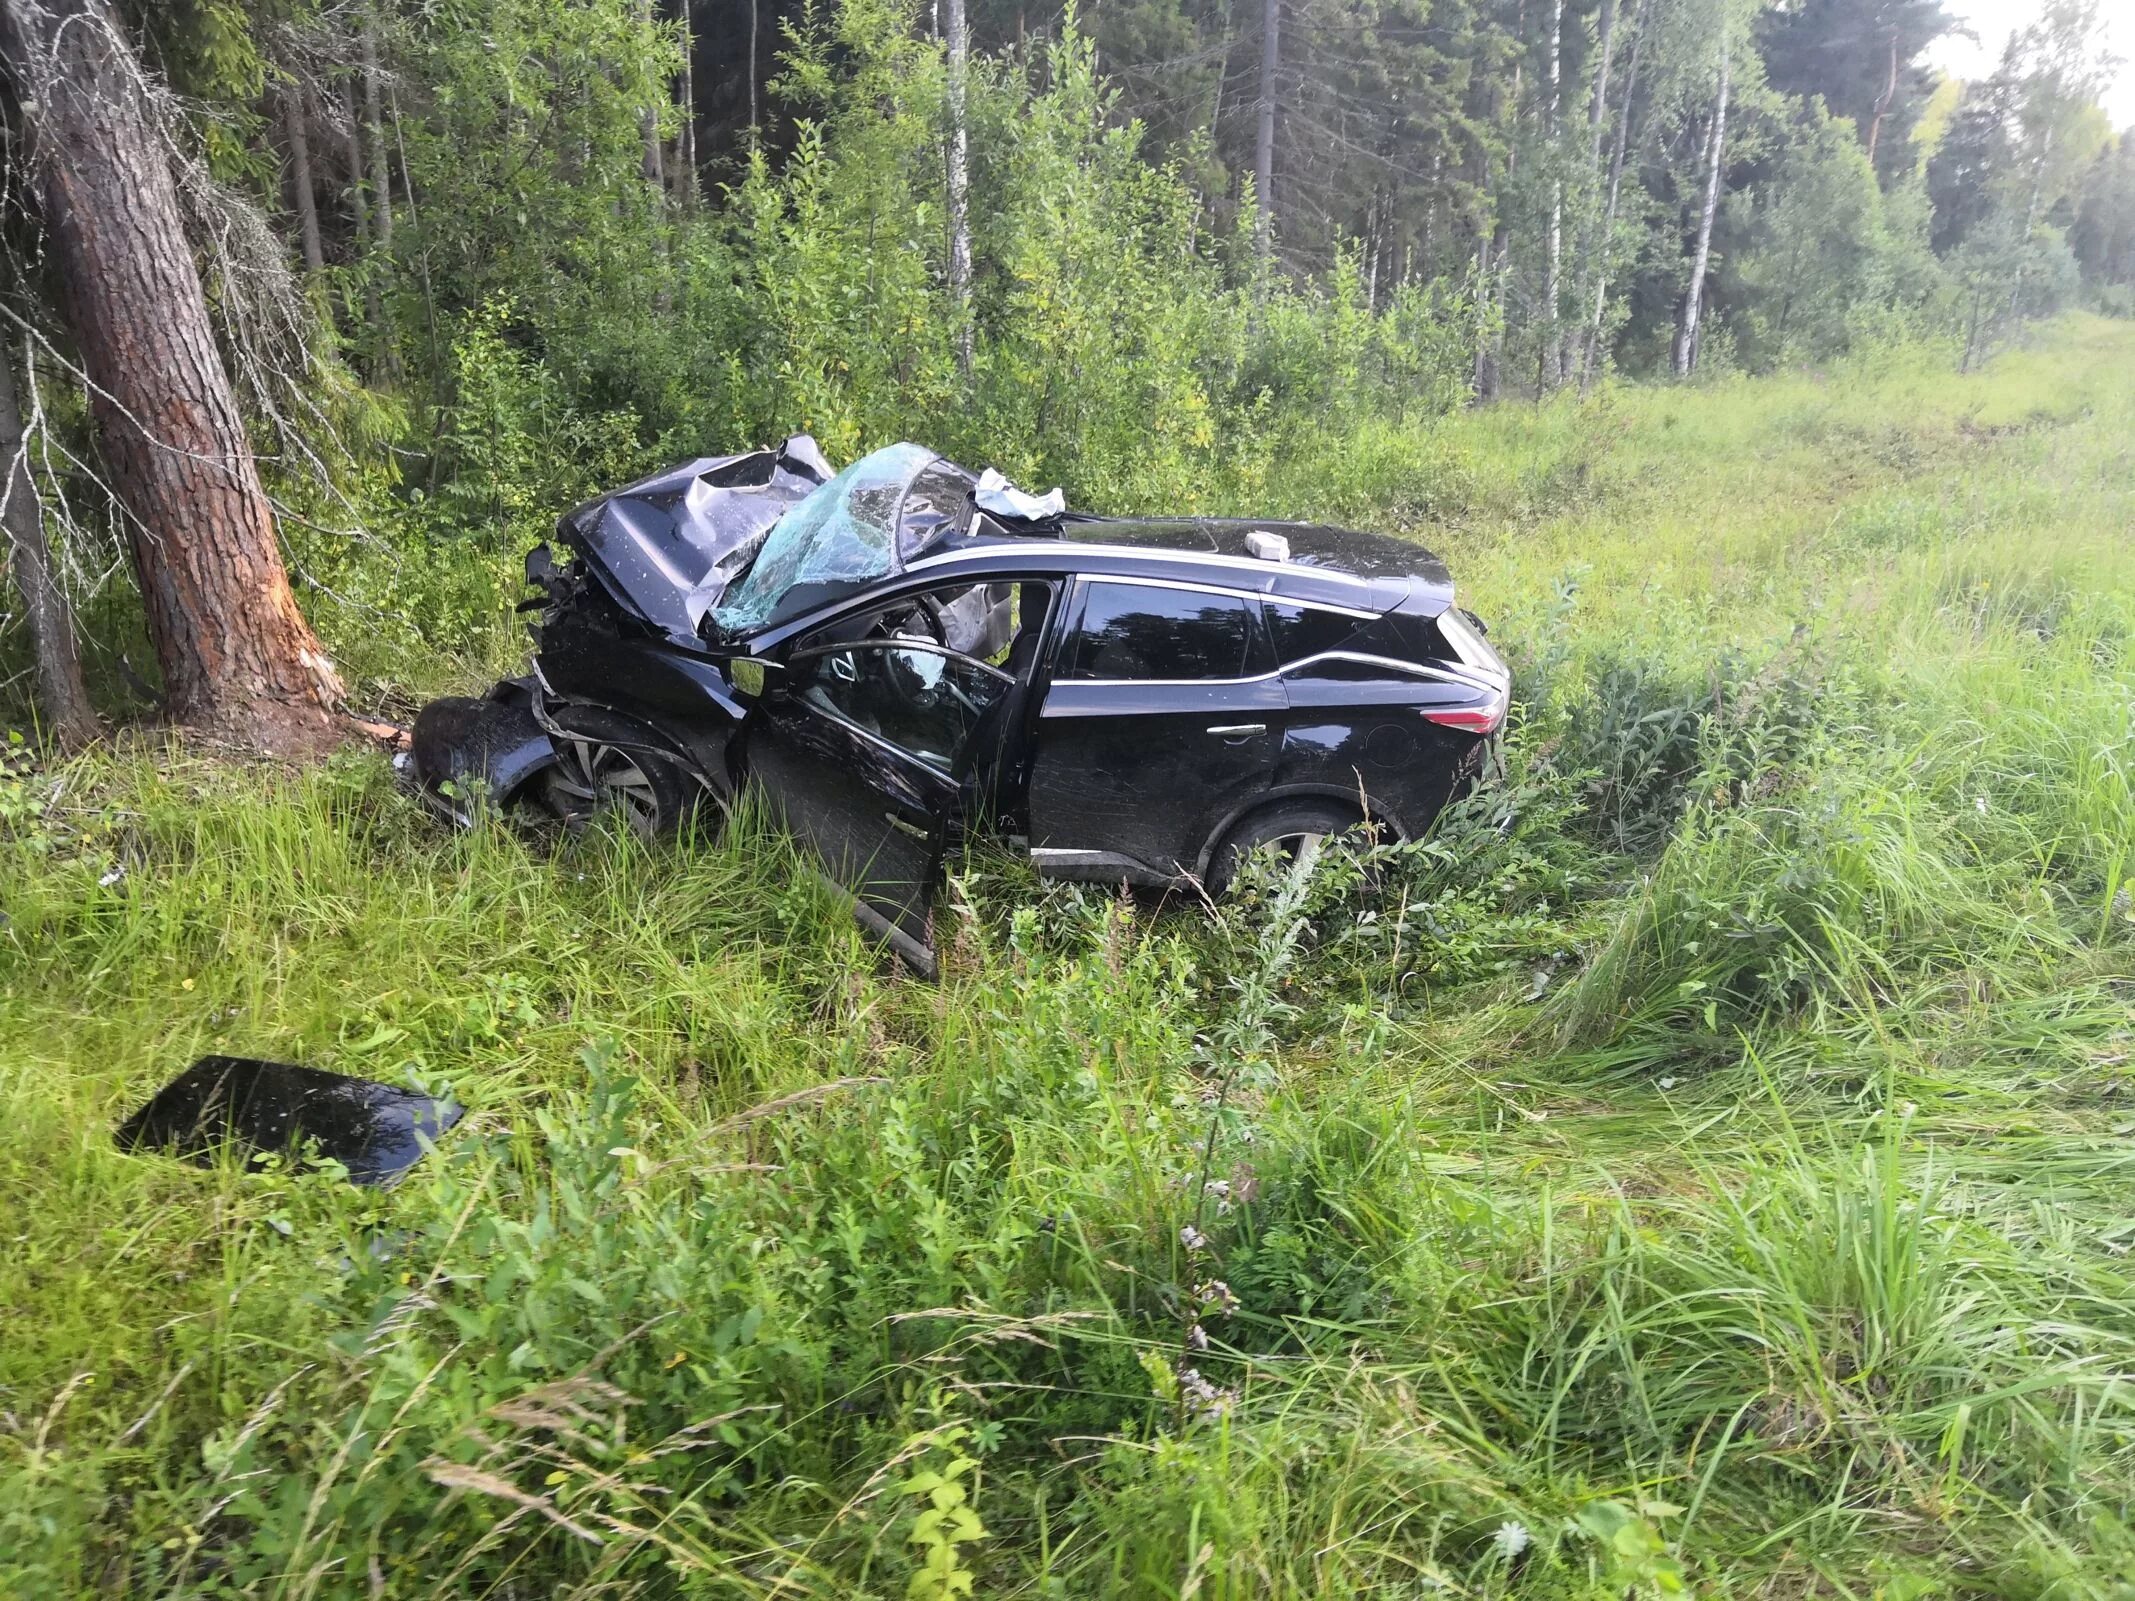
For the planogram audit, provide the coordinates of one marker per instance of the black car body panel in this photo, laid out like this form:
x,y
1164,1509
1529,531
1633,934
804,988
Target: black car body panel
x,y
1123,695
666,546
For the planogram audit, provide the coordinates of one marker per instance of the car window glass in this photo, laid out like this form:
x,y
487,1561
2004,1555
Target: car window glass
x,y
1143,631
842,533
938,502
1302,631
980,620
919,698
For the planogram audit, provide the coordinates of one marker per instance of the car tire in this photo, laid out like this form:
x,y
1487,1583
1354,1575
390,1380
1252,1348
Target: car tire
x,y
604,768
1296,828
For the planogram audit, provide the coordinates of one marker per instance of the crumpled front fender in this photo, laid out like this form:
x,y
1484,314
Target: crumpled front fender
x,y
490,747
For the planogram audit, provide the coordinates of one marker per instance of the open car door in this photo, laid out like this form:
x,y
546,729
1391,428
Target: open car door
x,y
860,747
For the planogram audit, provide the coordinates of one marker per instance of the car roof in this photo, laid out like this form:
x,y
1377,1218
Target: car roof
x,y
1327,566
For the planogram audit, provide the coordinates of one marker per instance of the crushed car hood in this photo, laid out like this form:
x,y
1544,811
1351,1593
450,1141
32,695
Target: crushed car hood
x,y
666,547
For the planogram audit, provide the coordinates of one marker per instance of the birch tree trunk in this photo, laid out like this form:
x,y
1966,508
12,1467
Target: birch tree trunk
x,y
295,109
1264,141
958,43
651,164
685,176
62,695
1605,241
238,659
1550,367
1597,110
1686,331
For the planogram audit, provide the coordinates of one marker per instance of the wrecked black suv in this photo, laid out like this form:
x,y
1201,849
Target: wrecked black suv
x,y
905,654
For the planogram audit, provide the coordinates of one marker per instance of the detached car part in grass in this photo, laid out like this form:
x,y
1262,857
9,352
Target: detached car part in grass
x,y
376,1132
905,655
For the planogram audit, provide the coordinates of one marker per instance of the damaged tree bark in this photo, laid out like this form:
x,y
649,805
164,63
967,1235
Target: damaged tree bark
x,y
62,695
238,659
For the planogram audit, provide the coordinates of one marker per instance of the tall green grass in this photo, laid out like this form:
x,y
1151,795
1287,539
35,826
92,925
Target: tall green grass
x,y
1704,1162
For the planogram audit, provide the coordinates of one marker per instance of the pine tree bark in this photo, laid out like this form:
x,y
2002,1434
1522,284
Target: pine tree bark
x,y
381,196
1686,330
358,207
62,693
295,114
238,659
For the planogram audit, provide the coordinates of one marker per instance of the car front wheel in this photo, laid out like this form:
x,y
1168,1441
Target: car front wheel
x,y
604,768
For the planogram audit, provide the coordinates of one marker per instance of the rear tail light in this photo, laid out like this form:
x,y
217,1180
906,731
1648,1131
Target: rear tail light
x,y
1483,668
1486,718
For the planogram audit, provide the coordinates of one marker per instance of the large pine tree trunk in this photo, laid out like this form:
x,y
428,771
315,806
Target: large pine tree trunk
x,y
1686,329
238,659
62,695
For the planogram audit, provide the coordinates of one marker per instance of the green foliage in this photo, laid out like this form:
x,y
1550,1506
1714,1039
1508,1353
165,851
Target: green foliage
x,y
1666,1152
1824,263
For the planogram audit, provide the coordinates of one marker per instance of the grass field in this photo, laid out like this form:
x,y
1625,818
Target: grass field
x,y
1706,1164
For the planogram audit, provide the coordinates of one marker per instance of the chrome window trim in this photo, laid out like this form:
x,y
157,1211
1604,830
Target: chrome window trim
x,y
1436,674
1087,550
1089,581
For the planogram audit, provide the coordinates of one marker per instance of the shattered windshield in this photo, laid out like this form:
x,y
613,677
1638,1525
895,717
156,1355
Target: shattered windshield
x,y
854,529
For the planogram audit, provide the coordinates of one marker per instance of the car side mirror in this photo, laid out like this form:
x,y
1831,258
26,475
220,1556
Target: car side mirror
x,y
540,567
754,675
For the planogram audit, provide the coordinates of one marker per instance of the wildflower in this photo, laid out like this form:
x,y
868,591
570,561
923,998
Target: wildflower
x,y
1207,1400
1197,1337
1192,1238
1511,1539
1979,804
1215,1296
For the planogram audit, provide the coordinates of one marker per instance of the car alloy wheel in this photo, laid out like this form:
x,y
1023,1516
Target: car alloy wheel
x,y
593,779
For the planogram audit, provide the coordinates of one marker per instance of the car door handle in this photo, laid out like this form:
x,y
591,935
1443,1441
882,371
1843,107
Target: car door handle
x,y
904,827
1237,730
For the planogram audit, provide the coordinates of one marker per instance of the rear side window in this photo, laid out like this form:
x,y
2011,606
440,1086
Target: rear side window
x,y
1144,631
1304,631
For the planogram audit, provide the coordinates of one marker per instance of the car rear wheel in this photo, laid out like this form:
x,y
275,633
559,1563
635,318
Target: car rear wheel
x,y
604,769
1296,830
